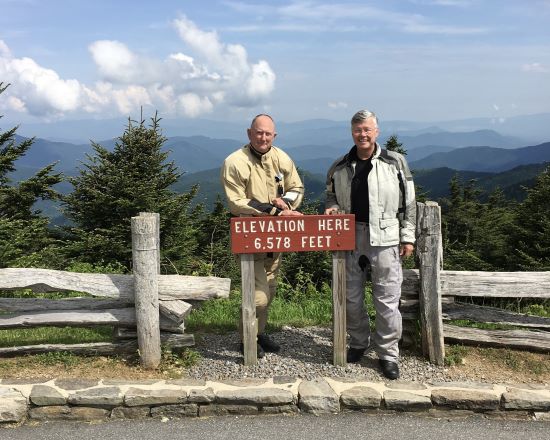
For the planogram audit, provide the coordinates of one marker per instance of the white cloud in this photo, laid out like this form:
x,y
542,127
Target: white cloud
x,y
535,68
315,16
14,103
114,60
35,89
4,50
192,105
457,3
261,81
337,104
190,84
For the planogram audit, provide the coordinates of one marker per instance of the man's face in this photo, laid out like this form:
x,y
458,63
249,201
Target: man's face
x,y
364,134
261,134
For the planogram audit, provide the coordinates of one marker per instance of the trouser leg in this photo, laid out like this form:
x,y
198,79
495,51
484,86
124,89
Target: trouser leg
x,y
266,269
357,319
266,294
387,277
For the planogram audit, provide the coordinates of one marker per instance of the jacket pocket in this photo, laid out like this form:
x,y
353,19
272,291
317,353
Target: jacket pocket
x,y
389,231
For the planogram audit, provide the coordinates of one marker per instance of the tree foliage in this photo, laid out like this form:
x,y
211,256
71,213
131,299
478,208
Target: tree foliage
x,y
480,231
24,234
393,144
113,186
476,235
531,237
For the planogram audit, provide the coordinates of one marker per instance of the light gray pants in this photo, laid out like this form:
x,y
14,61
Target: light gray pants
x,y
384,264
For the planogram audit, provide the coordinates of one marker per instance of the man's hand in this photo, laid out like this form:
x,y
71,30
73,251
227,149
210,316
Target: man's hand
x,y
280,203
290,212
406,250
330,211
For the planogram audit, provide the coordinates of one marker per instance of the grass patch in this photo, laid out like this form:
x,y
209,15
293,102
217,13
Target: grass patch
x,y
174,363
54,335
455,354
223,315
518,361
61,358
483,325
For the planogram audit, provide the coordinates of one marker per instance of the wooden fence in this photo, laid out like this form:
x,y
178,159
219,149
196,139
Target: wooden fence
x,y
147,309
433,296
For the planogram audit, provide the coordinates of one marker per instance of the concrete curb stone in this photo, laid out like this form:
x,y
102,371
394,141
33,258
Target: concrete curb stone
x,y
13,405
474,400
406,401
87,400
45,395
520,399
317,397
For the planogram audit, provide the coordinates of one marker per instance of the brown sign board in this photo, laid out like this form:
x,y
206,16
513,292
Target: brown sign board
x,y
250,235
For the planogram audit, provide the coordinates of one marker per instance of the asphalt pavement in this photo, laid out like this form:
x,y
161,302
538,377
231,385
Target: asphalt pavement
x,y
352,425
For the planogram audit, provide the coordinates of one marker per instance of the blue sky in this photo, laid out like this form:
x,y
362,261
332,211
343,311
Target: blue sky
x,y
422,60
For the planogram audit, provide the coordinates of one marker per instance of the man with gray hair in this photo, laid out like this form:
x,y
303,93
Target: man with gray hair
x,y
377,186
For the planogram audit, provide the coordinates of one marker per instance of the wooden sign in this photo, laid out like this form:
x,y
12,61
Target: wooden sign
x,y
251,235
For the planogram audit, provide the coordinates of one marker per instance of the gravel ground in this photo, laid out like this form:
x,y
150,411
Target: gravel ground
x,y
306,353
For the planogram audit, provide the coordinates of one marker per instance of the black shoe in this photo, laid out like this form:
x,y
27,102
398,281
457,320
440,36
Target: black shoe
x,y
259,351
354,355
390,369
268,344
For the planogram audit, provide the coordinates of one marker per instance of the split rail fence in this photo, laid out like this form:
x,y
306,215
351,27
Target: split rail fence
x,y
434,297
145,308
148,309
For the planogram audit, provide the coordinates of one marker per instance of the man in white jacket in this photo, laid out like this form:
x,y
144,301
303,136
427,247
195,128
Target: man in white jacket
x,y
376,185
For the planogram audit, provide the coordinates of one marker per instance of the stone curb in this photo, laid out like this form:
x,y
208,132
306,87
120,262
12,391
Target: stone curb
x,y
86,400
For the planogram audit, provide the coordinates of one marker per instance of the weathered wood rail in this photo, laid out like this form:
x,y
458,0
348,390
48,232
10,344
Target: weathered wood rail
x,y
121,301
432,296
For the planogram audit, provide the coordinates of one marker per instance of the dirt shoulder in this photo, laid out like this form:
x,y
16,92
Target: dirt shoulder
x,y
305,353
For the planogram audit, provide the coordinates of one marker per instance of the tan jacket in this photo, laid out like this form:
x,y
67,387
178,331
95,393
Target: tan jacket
x,y
251,181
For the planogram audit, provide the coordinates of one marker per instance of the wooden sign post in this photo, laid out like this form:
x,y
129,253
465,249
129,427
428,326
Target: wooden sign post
x,y
250,235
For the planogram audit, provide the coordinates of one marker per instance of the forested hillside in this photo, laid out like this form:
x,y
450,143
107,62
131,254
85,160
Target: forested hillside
x,y
494,232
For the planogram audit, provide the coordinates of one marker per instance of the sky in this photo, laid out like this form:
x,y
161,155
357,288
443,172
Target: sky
x,y
419,60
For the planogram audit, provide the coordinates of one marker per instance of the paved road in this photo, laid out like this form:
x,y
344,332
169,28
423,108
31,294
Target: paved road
x,y
340,426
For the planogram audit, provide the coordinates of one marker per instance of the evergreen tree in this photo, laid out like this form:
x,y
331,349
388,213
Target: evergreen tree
x,y
475,234
24,235
393,144
114,186
215,256
531,237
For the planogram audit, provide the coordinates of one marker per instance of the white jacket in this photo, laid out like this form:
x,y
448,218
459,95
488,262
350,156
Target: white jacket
x,y
392,204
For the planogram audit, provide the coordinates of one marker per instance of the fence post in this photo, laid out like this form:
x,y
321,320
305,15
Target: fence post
x,y
429,252
250,329
145,269
339,307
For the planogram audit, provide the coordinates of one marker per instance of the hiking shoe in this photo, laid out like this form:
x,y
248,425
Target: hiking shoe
x,y
260,352
268,344
390,369
354,355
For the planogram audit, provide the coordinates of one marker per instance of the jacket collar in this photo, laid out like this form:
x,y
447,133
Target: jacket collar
x,y
352,154
258,155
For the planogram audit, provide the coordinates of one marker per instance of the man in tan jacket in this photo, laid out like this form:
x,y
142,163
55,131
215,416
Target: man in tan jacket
x,y
260,179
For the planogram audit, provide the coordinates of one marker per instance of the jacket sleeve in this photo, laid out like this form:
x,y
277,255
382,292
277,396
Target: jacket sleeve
x,y
330,192
407,229
234,181
293,186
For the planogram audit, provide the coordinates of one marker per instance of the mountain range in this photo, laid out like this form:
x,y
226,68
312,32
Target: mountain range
x,y
532,129
434,151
